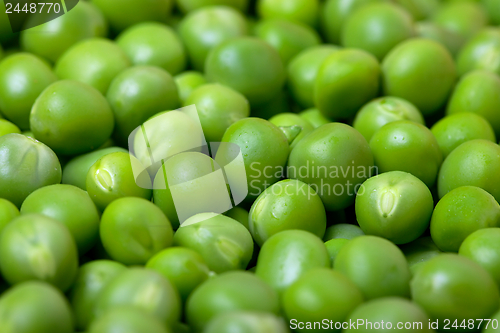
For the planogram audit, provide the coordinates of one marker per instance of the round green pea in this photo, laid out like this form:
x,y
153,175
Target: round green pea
x,y
333,247
449,39
461,212
25,166
419,251
289,119
314,117
36,247
304,11
6,127
346,80
23,77
246,321
128,320
342,231
453,287
71,118
366,260
481,52
70,205
187,82
420,9
187,6
228,292
407,146
421,71
8,212
375,114
133,230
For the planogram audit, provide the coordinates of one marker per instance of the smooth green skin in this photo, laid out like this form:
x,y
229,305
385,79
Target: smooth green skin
x,y
286,205
333,247
70,205
183,267
304,11
376,266
249,65
375,114
95,61
6,127
345,155
187,82
239,214
133,11
154,44
421,71
133,230
138,93
23,77
35,307
75,171
481,52
218,107
128,320
407,146
395,205
321,293
208,27
419,251
246,322
264,148
141,288
224,244
492,8
466,18
342,231
482,247
302,71
346,80
449,39
287,37
36,247
478,92
314,117
452,287
91,279
377,28
8,212
228,292
461,212
111,178
187,6
288,119
25,166
287,255
71,118
50,40
391,310
420,9
474,163
455,129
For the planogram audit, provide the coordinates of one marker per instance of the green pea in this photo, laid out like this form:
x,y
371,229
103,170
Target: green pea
x,y
461,212
420,9
133,230
187,82
218,107
365,260
389,314
407,146
35,307
141,288
314,117
239,214
474,163
478,92
112,177
91,279
6,127
246,321
288,119
421,71
223,243
70,205
449,39
23,77
128,320
183,267
228,292
302,71
492,8
8,212
138,93
71,118
375,114
304,11
36,247
25,166
454,288
481,52
154,44
50,40
287,255
205,28
343,231
333,247
392,23
187,6
248,65
341,93
419,251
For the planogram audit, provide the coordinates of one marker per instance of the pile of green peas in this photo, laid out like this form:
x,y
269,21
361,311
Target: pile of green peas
x,y
369,135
